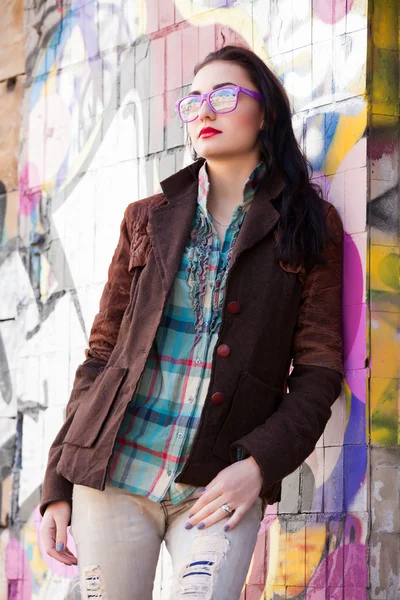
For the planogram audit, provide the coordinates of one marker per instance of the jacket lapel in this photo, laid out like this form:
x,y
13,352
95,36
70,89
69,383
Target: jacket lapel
x,y
261,217
170,224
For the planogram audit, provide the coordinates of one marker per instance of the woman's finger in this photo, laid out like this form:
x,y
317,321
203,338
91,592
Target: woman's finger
x,y
212,483
48,534
68,554
235,518
209,509
206,498
219,515
62,558
68,551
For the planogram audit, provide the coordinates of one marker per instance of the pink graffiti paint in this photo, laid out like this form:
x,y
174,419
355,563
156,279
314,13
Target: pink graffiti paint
x,y
30,191
56,567
330,570
353,279
354,335
332,11
356,379
354,309
18,573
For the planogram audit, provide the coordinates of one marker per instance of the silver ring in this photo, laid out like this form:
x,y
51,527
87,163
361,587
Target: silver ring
x,y
227,509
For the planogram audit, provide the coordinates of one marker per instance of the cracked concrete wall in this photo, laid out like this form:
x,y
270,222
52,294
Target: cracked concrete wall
x,y
87,90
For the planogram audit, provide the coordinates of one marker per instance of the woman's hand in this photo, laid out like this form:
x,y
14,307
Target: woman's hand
x,y
239,485
53,530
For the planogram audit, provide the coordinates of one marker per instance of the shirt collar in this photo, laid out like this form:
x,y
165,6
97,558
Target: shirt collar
x,y
249,188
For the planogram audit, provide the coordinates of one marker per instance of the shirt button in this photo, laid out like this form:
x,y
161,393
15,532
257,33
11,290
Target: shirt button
x,y
180,434
191,398
169,473
198,361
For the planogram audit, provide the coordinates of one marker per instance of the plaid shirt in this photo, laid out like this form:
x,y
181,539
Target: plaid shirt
x,y
157,432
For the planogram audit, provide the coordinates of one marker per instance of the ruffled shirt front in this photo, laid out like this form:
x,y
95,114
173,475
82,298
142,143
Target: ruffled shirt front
x,y
202,238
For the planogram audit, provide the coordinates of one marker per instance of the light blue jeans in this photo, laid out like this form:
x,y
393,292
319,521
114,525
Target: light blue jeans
x,y
118,537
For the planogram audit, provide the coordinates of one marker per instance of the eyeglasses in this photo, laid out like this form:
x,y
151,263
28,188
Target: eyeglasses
x,y
221,100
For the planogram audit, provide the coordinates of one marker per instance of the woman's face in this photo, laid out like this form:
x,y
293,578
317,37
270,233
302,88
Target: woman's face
x,y
239,128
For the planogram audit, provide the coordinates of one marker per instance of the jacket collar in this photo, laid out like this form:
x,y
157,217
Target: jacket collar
x,y
170,224
249,188
178,186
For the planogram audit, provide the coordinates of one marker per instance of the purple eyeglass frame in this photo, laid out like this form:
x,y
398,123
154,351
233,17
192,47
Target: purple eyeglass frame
x,y
207,95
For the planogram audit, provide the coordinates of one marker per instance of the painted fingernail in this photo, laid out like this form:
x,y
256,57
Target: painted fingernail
x,y
191,515
200,526
226,528
188,526
59,546
202,490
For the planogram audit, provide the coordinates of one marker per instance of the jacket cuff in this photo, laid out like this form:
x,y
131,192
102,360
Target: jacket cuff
x,y
55,487
289,436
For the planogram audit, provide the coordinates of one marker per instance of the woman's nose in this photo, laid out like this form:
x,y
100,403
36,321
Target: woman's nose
x,y
205,110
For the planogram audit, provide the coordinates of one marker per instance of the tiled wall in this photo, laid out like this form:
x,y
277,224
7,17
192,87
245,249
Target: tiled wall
x,y
96,130
383,269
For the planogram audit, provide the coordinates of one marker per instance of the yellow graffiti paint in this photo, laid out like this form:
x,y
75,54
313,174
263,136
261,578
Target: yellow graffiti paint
x,y
294,556
234,17
384,269
30,543
383,24
348,131
276,555
384,406
385,343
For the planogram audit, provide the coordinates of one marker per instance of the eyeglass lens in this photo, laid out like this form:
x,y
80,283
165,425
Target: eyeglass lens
x,y
222,100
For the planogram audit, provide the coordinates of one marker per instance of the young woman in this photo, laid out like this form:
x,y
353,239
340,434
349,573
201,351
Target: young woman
x,y
185,415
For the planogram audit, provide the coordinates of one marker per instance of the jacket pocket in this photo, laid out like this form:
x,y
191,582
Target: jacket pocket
x,y
253,402
94,407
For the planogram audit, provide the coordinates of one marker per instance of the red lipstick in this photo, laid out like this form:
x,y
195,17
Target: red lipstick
x,y
208,132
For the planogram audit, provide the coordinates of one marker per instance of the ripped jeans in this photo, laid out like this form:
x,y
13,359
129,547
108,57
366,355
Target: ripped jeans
x,y
118,537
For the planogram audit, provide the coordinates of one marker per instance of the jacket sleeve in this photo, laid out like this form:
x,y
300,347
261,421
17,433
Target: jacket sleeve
x,y
102,339
289,436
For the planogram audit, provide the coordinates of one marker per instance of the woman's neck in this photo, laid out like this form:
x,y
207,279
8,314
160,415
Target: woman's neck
x,y
227,179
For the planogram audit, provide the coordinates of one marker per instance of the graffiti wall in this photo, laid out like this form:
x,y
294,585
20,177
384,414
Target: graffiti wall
x,y
12,81
96,130
384,302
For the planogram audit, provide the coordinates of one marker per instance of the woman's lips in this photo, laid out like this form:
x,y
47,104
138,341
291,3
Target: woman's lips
x,y
207,134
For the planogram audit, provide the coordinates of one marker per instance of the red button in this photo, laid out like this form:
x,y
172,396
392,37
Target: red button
x,y
223,350
233,307
217,398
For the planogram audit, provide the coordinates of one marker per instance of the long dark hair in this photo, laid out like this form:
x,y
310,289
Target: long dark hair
x,y
302,233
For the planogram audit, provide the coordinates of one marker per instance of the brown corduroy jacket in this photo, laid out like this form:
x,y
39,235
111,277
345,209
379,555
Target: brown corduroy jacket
x,y
279,315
